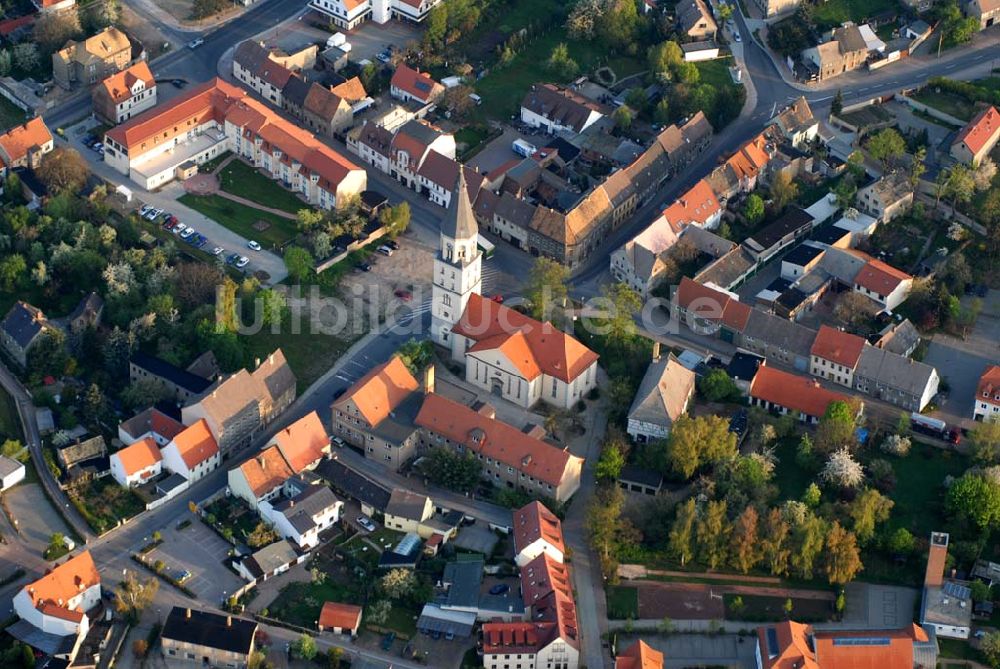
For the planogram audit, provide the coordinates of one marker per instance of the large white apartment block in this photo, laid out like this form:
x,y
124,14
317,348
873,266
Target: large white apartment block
x,y
349,14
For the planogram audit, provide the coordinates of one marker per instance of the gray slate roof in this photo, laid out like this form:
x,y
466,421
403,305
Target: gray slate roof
x,y
780,332
301,509
406,504
464,579
460,222
273,556
23,323
663,392
895,371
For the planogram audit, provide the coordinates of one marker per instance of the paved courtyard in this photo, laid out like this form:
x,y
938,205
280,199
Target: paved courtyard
x,y
200,551
36,518
871,606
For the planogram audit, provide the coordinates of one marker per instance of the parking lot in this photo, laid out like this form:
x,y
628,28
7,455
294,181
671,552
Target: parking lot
x,y
499,151
200,551
37,520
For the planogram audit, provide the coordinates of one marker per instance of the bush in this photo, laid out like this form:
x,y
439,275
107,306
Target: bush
x,y
896,445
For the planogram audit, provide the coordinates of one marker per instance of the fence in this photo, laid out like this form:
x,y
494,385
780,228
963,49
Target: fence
x,y
931,111
356,245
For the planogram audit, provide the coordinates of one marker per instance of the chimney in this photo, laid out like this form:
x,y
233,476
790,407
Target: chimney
x,y
187,614
936,557
262,461
256,363
429,379
656,351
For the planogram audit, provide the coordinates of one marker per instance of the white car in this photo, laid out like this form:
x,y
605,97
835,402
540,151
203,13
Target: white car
x,y
366,522
187,233
242,262
218,251
180,228
145,209
736,36
385,250
195,43
254,246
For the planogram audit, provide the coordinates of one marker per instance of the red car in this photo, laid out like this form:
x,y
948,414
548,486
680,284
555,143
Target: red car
x,y
404,295
498,299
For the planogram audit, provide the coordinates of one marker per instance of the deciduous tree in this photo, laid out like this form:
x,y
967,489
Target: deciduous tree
x,y
753,211
454,471
783,191
867,510
774,542
682,531
745,541
841,558
711,533
133,595
398,583
842,470
545,290
886,146
63,170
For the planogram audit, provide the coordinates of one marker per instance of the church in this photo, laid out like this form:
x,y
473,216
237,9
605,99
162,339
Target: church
x,y
505,352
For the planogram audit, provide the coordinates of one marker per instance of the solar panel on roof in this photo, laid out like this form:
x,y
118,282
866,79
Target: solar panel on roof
x,y
423,86
957,591
862,641
772,642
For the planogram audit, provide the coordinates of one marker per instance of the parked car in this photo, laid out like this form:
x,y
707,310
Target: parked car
x,y
736,36
242,262
169,227
179,83
97,146
393,244
144,209
383,57
497,298
366,522
187,233
338,442
254,246
232,259
218,251
387,640
364,266
179,228
404,295
337,394
500,589
385,250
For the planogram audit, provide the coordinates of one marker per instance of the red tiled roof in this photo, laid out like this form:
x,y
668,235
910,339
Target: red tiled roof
x,y
303,443
534,521
695,206
416,83
266,471
10,25
335,614
543,576
639,656
839,347
712,304
898,654
139,456
52,592
381,390
119,86
495,439
981,130
152,420
989,383
19,140
880,277
533,346
196,444
793,392
794,650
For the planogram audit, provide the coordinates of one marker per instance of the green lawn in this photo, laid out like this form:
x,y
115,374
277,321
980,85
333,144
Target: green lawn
x,y
716,72
310,354
623,602
240,219
957,649
834,12
504,87
300,603
791,479
919,496
10,114
949,103
766,609
241,180
210,166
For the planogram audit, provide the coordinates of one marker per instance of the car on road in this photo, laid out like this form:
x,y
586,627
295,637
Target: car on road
x,y
195,43
232,259
187,233
366,522
338,442
254,246
500,589
242,262
178,83
218,251
736,36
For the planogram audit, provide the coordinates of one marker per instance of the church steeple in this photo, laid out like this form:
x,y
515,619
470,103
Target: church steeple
x,y
460,223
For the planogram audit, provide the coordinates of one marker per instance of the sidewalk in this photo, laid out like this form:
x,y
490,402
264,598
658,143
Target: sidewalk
x,y
202,25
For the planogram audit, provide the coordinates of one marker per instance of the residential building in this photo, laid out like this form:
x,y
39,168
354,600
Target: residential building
x,y
987,12
698,207
412,85
537,531
771,8
207,639
695,20
407,510
22,327
765,243
192,453
790,644
551,637
797,124
376,413
798,396
300,519
340,618
303,443
698,51
325,112
899,338
557,109
975,141
663,396
92,60
639,656
245,403
987,401
125,94
53,5
371,496
847,51
25,144
835,355
136,464
150,423
946,604
882,282
266,71
170,140
438,175
896,379
349,14
270,561
890,196
86,314
639,263
11,472
510,457
58,603
412,143
179,383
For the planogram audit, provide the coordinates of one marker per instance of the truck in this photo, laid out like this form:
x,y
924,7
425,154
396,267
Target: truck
x,y
523,148
934,427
